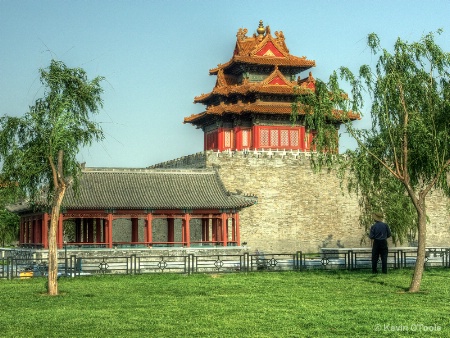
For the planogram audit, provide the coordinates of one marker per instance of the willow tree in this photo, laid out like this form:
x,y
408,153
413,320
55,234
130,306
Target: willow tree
x,y
39,149
406,151
9,222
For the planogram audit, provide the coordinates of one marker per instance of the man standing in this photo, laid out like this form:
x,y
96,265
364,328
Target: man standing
x,y
379,233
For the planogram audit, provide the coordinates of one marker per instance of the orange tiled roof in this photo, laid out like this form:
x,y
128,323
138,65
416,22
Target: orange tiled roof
x,y
275,83
291,61
281,108
259,107
262,48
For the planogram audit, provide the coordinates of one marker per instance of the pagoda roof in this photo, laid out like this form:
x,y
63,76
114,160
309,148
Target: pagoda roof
x,y
260,49
263,49
258,107
275,83
103,188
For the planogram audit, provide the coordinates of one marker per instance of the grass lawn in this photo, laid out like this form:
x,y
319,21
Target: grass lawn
x,y
290,304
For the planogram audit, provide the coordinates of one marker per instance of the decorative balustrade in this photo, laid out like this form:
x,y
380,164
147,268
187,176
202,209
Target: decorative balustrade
x,y
20,263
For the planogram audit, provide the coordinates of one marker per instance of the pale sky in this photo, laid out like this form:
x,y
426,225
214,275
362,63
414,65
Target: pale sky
x,y
156,56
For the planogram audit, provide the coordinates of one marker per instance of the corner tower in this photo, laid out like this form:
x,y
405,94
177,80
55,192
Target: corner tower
x,y
249,107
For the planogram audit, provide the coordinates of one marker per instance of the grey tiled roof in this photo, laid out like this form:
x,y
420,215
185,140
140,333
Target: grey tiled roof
x,y
153,189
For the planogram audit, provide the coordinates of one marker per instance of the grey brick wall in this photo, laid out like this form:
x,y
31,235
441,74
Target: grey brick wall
x,y
298,209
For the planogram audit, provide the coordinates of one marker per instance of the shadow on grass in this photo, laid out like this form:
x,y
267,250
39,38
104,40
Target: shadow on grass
x,y
377,279
383,280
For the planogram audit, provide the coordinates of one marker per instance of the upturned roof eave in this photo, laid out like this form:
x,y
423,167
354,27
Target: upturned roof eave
x,y
293,62
286,109
246,90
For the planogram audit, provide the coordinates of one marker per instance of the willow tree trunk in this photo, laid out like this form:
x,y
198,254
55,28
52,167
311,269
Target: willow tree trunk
x,y
421,237
53,244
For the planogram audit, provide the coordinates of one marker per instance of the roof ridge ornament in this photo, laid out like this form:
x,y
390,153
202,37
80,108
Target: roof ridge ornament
x,y
242,33
260,30
281,41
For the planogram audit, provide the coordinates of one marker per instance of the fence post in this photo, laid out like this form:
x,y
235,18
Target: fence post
x,y
78,265
299,259
138,264
131,265
190,264
248,262
72,265
447,261
244,262
9,267
349,260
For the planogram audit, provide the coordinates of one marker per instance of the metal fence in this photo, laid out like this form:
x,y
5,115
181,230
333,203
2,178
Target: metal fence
x,y
21,264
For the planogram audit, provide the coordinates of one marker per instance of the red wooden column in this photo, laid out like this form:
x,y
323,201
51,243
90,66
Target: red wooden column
x,y
45,230
109,231
237,229
134,230
105,231
302,138
149,228
214,229
183,232
224,218
60,232
187,229
233,228
171,230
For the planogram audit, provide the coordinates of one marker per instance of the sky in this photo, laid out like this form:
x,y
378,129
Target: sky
x,y
156,56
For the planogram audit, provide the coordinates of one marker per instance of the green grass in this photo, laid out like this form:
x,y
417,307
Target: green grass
x,y
291,304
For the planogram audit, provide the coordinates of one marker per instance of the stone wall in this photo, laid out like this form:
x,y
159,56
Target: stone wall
x,y
298,209
438,211
42,254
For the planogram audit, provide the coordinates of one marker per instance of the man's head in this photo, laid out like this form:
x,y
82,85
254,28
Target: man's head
x,y
377,216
